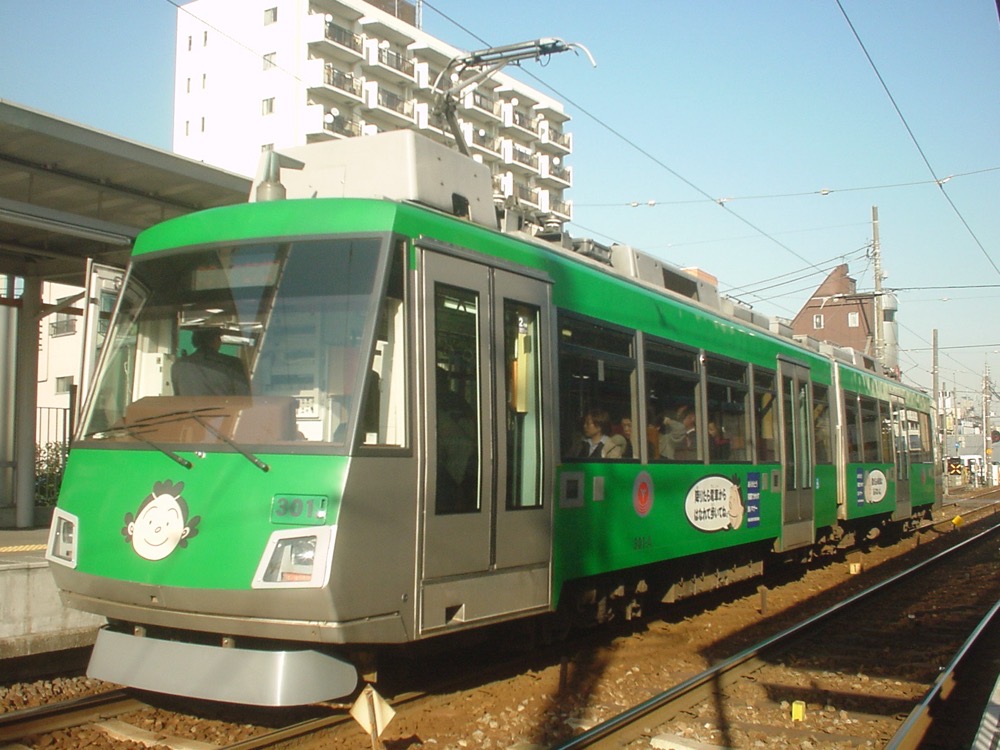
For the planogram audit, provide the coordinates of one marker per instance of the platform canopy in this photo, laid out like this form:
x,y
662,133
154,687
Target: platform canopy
x,y
69,193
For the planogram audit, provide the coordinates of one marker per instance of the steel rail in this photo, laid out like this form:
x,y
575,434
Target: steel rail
x,y
911,732
607,730
65,714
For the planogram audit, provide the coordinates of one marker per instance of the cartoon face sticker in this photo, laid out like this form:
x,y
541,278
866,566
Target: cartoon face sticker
x,y
161,523
735,504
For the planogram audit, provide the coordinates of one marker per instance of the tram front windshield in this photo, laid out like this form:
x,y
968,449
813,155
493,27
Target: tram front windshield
x,y
252,343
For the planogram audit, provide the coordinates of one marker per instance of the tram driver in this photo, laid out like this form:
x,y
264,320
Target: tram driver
x,y
208,372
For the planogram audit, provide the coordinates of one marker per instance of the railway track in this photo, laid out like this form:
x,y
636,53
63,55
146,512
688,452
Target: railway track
x,y
419,717
851,674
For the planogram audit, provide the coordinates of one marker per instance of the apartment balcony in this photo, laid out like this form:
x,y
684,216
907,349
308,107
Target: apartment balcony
x,y
476,101
552,140
341,127
526,195
388,107
394,63
562,209
339,43
553,173
519,121
344,82
519,158
485,143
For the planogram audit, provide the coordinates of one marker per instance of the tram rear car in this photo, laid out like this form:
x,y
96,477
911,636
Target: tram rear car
x,y
387,443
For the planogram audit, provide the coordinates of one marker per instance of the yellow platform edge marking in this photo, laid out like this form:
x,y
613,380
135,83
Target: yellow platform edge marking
x,y
24,548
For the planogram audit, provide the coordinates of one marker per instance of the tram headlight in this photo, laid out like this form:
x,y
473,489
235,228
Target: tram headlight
x,y
63,538
295,558
292,560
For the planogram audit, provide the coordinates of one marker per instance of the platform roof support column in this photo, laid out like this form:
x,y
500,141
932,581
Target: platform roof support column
x,y
26,407
8,360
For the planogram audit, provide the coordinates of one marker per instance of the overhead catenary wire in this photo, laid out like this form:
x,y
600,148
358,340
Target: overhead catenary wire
x,y
940,181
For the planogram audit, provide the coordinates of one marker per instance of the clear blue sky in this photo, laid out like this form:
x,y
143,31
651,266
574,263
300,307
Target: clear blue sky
x,y
764,103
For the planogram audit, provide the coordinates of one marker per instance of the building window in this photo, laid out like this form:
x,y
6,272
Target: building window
x,y
204,81
270,16
817,322
204,40
189,85
269,60
64,384
853,319
267,106
187,127
202,124
189,44
63,324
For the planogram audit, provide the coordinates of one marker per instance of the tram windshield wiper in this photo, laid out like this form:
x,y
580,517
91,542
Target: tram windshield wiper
x,y
238,448
197,416
139,435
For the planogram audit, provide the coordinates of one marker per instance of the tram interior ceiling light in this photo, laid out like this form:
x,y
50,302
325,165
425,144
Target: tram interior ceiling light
x,y
71,229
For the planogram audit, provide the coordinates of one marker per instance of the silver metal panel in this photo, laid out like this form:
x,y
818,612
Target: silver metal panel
x,y
455,603
232,675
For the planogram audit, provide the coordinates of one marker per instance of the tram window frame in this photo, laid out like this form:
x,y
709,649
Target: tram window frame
x,y
666,365
886,422
822,424
925,454
852,428
765,402
727,394
597,377
871,429
387,382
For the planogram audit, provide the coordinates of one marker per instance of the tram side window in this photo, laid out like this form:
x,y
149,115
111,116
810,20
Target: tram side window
x,y
383,413
766,416
887,440
852,427
821,424
871,430
523,411
673,402
458,410
728,395
924,454
596,403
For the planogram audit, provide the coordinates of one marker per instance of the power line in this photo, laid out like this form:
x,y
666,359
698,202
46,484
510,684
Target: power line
x,y
632,144
822,192
940,182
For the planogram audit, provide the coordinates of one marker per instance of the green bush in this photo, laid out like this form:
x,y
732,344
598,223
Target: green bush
x,y
50,462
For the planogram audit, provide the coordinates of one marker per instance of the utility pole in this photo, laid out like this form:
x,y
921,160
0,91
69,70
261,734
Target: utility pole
x,y
879,314
940,435
987,446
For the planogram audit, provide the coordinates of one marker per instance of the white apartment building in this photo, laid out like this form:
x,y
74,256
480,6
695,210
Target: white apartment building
x,y
280,73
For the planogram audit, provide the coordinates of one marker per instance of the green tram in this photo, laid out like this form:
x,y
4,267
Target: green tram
x,y
373,414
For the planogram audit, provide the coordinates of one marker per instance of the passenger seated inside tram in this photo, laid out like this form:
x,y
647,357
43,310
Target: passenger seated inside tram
x,y
597,440
718,444
207,372
677,440
625,427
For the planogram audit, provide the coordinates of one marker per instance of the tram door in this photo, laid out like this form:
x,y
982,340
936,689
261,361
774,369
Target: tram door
x,y
486,537
901,436
797,464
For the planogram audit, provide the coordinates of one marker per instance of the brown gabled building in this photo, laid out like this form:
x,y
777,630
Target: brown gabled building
x,y
838,313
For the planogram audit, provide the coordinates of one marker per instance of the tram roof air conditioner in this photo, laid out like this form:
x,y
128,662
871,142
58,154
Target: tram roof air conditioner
x,y
399,165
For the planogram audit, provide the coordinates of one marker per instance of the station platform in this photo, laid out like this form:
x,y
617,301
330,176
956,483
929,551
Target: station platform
x,y
988,737
33,619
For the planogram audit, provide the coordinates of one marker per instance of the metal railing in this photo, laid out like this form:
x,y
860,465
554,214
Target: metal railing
x,y
343,37
343,81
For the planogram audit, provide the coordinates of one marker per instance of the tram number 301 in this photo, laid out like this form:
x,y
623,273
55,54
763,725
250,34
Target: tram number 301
x,y
298,509
640,543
